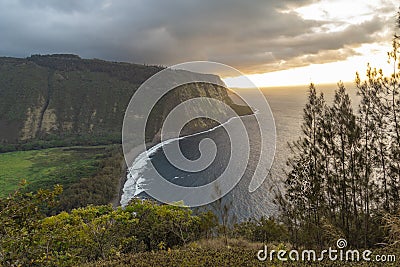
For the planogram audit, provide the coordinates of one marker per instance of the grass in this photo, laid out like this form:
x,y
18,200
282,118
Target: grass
x,y
213,252
217,257
45,168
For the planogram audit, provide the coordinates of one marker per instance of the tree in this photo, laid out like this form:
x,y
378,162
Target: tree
x,y
222,208
264,230
304,183
344,160
20,215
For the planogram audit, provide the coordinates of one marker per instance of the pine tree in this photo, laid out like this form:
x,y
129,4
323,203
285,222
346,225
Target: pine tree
x,y
304,184
345,155
344,172
392,87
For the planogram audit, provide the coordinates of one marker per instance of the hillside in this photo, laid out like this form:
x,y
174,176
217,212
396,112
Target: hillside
x,y
79,105
59,100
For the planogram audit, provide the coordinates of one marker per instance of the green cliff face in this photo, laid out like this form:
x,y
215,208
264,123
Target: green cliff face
x,y
64,96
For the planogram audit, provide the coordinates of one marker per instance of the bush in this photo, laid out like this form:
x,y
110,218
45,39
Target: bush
x,y
261,230
29,238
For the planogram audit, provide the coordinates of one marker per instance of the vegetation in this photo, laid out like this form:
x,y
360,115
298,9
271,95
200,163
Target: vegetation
x,y
143,234
101,188
20,217
237,256
89,175
51,141
45,168
28,237
344,175
264,230
211,256
242,110
343,182
63,100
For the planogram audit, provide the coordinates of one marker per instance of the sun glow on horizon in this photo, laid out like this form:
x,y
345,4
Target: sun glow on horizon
x,y
327,73
338,15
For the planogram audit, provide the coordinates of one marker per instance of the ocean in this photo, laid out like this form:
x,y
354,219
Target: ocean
x,y
287,105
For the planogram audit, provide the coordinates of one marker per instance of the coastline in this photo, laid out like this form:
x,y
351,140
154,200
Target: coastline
x,y
136,151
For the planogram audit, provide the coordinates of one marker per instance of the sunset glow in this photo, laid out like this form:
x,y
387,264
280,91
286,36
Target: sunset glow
x,y
375,55
275,43
339,16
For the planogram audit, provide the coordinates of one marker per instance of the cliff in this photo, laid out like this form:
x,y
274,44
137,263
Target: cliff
x,y
54,98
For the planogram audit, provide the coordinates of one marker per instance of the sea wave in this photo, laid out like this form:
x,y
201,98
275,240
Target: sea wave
x,y
136,181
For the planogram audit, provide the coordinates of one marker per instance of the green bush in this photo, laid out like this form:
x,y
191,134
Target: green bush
x,y
29,238
261,230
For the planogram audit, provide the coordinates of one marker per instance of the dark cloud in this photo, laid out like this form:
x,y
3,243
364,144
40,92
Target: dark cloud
x,y
253,36
60,6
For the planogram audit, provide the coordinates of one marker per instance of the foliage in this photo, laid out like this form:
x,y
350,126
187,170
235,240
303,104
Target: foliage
x,y
63,100
303,181
241,110
45,168
337,176
166,224
28,237
62,140
392,223
261,230
344,172
85,234
101,188
20,218
208,256
222,208
89,175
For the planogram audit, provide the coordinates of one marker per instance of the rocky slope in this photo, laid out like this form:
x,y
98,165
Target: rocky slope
x,y
64,97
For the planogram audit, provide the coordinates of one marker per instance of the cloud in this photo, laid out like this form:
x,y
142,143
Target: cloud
x,y
253,36
59,6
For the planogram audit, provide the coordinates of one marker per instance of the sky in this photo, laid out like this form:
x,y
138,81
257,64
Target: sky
x,y
273,42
